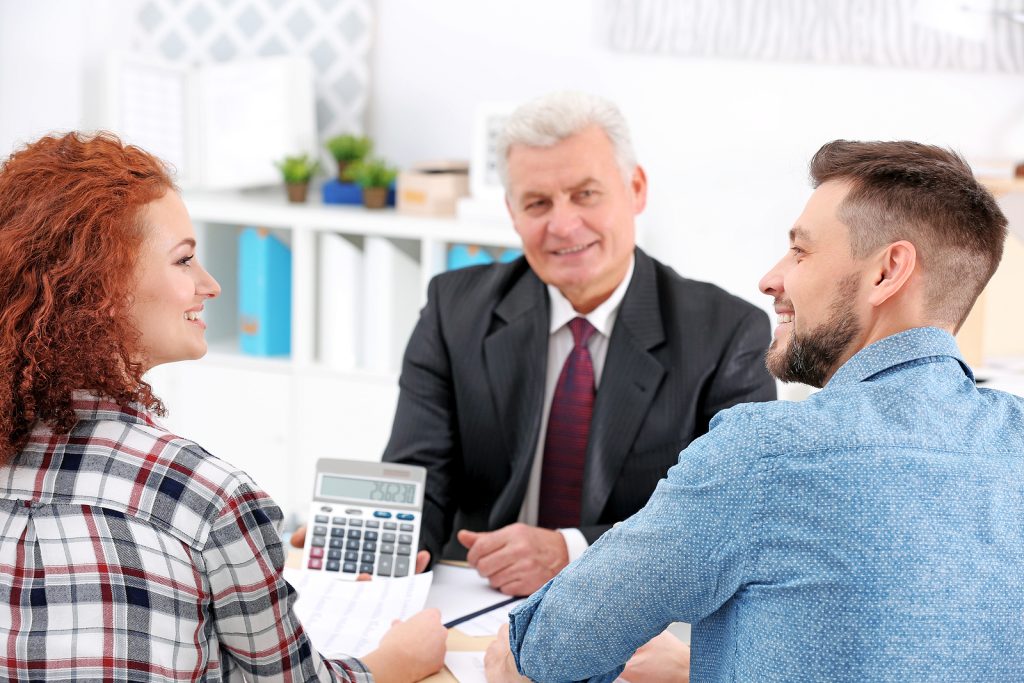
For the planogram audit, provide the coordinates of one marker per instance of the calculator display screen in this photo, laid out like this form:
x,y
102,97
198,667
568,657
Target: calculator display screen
x,y
369,490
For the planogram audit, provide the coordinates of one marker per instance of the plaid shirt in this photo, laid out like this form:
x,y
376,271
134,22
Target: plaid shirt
x,y
130,554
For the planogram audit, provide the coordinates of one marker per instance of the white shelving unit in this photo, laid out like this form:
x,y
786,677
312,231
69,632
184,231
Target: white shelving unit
x,y
274,417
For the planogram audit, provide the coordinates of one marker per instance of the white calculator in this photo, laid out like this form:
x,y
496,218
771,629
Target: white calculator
x,y
365,518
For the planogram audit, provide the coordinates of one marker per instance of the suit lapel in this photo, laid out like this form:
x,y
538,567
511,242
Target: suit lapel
x,y
629,381
515,356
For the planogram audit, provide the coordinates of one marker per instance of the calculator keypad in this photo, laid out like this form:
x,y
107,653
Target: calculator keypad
x,y
351,545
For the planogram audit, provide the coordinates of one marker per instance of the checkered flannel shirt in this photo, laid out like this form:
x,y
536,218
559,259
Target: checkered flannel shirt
x,y
130,554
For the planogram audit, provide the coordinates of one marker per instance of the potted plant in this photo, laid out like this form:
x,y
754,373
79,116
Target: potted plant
x,y
297,172
375,177
347,149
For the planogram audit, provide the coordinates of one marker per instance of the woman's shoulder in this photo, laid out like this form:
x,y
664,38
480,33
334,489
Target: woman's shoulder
x,y
173,482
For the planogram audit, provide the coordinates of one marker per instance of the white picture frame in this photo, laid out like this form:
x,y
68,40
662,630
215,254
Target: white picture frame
x,y
484,183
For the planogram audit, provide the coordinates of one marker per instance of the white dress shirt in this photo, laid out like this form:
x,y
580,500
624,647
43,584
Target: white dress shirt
x,y
560,343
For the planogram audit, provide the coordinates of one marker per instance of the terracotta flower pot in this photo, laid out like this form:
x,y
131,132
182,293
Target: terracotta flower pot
x,y
297,192
375,197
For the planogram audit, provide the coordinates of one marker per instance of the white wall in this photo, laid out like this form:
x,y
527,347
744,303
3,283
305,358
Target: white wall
x,y
725,144
48,50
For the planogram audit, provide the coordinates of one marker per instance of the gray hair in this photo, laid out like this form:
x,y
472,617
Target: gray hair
x,y
549,119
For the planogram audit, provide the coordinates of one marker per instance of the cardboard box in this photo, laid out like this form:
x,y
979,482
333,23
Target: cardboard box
x,y
432,188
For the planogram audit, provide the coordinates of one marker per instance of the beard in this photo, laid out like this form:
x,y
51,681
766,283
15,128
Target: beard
x,y
811,358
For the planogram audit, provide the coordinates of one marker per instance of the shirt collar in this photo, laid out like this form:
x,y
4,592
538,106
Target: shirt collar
x,y
902,347
602,317
89,407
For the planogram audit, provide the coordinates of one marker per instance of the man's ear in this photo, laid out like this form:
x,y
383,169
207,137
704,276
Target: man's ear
x,y
895,264
638,184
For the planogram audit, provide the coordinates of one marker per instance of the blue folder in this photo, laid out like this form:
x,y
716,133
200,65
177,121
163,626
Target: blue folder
x,y
264,293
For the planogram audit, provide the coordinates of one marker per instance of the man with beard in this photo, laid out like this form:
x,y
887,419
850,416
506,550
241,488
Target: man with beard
x,y
871,532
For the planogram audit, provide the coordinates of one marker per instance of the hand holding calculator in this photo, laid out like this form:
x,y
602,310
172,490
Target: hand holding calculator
x,y
364,518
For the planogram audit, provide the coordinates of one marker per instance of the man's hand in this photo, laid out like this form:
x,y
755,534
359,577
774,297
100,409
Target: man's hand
x,y
499,666
664,659
516,559
298,540
411,650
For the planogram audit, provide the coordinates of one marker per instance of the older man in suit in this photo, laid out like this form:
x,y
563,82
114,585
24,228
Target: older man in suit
x,y
548,396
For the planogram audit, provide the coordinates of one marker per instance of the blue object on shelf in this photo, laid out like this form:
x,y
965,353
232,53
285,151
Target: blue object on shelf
x,y
463,255
335,192
510,254
264,293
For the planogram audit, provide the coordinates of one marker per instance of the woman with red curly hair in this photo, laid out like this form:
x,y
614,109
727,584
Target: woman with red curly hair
x,y
128,553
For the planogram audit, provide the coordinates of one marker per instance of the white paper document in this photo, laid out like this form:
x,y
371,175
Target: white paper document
x,y
467,667
350,617
459,591
488,623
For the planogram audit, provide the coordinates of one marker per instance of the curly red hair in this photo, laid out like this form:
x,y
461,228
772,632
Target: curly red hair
x,y
70,234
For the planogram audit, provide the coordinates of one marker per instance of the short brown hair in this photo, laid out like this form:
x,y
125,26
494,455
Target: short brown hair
x,y
70,235
928,196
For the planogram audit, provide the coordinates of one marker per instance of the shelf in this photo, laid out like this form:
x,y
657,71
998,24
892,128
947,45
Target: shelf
x,y
271,209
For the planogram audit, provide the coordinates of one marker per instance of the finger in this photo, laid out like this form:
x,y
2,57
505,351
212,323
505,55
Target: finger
x,y
487,543
502,559
298,538
364,577
422,560
467,538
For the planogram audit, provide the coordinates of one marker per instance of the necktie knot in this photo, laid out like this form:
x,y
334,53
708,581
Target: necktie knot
x,y
581,331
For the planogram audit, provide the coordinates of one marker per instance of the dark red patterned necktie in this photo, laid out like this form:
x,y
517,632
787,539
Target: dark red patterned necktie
x,y
565,445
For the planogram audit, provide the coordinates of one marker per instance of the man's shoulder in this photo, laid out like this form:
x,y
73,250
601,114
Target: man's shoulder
x,y
697,294
481,281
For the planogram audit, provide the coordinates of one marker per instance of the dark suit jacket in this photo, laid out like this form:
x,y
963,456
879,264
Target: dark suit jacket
x,y
472,391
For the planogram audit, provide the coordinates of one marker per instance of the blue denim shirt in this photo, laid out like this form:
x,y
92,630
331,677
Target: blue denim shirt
x,y
874,532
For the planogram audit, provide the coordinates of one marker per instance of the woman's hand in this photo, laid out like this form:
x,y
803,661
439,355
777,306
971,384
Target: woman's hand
x,y
411,650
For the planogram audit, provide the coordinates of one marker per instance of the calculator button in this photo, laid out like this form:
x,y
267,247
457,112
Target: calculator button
x,y
366,558
366,569
388,538
321,519
370,546
390,526
351,544
316,563
405,516
338,521
351,556
353,511
405,538
316,552
382,514
335,543
337,532
355,522
325,508
384,568
387,548
333,554
333,566
401,566
406,527
319,531
372,524
371,536
405,550
355,533
349,567
318,542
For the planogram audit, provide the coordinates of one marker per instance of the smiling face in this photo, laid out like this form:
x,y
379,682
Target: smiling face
x,y
171,286
575,214
817,289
